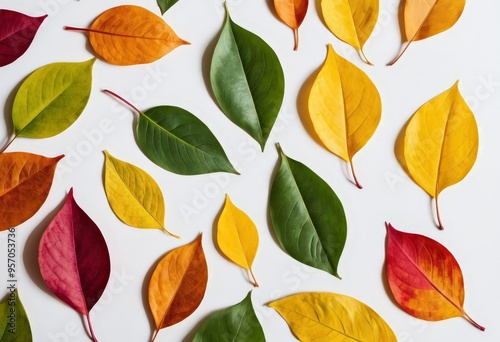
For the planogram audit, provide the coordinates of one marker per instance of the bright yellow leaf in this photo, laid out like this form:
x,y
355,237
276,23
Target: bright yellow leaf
x,y
352,21
237,236
344,106
134,195
327,317
441,143
426,18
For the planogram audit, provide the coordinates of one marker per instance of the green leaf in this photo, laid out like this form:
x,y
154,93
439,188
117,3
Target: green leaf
x,y
14,322
165,5
179,142
247,80
51,99
238,323
307,216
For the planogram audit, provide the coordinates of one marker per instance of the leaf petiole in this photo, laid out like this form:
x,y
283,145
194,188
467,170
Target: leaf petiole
x,y
356,182
11,140
92,334
123,100
254,283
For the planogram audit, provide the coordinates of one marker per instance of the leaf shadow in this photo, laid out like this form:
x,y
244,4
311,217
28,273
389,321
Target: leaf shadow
x,y
399,147
272,9
401,20
317,4
190,336
7,110
30,253
206,62
145,289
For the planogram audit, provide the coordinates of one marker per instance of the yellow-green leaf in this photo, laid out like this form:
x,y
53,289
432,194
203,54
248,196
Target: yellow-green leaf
x,y
351,21
133,195
440,143
327,317
344,107
426,18
237,236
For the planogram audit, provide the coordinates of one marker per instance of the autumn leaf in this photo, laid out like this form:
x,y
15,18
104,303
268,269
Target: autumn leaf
x,y
51,99
440,144
326,317
424,277
236,323
25,182
238,237
14,322
307,216
134,195
426,18
178,141
344,106
17,31
74,259
178,285
292,13
247,80
351,21
128,35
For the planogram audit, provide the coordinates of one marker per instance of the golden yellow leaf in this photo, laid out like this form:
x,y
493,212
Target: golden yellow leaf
x,y
292,13
134,195
326,317
426,18
237,237
127,35
440,143
351,21
344,107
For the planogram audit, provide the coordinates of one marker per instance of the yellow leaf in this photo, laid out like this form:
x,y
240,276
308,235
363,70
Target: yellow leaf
x,y
326,317
426,18
237,236
344,107
134,195
440,143
351,21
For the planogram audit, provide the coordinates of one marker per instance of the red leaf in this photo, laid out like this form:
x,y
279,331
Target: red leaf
x,y
17,31
424,277
74,259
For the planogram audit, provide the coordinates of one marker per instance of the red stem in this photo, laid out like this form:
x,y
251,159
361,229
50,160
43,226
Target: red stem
x,y
440,223
8,144
471,321
255,283
94,339
122,99
401,54
296,39
71,28
154,335
354,176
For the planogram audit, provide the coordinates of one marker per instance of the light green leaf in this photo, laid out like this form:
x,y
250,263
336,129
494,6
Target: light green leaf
x,y
237,323
165,5
307,216
51,99
247,80
14,322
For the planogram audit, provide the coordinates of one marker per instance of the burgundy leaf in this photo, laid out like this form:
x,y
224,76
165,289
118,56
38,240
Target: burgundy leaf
x,y
74,259
17,31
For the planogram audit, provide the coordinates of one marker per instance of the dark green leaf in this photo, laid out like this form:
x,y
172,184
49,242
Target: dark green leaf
x,y
14,323
179,142
238,323
165,5
307,216
247,80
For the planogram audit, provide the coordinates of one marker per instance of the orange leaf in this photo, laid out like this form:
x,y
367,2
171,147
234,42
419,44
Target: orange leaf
x,y
178,285
424,277
292,13
25,181
127,35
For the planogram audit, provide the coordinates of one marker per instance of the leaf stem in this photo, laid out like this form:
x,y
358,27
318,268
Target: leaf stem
x,y
401,54
471,321
362,53
254,283
170,234
11,140
92,334
154,335
296,39
354,175
71,28
122,99
440,223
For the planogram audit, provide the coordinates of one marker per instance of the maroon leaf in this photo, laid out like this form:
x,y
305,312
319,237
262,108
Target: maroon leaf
x,y
17,31
74,259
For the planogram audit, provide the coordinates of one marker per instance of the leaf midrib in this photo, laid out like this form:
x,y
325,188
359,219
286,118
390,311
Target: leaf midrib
x,y
50,164
131,36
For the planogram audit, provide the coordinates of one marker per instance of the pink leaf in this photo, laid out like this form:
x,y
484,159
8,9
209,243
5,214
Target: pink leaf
x,y
74,259
17,31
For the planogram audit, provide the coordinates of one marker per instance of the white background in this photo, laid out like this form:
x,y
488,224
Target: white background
x,y
468,52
